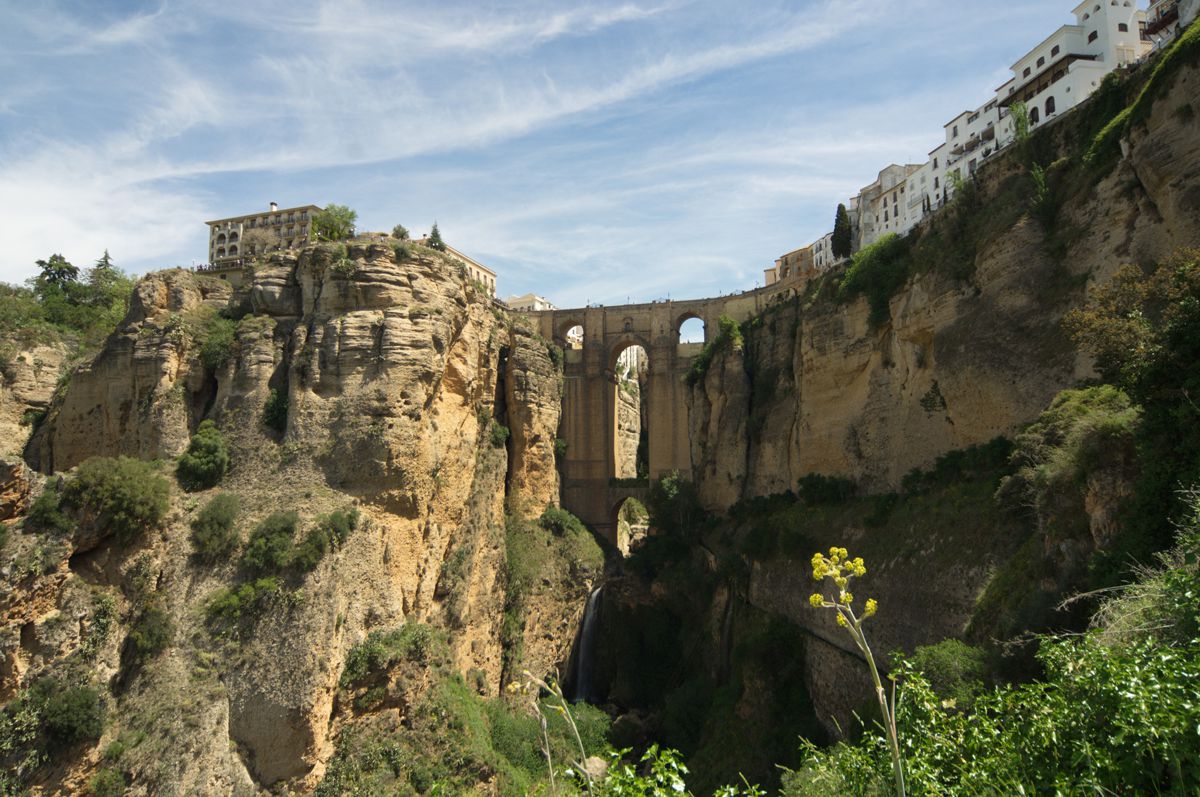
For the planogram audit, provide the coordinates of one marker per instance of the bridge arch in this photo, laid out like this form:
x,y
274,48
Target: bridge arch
x,y
688,332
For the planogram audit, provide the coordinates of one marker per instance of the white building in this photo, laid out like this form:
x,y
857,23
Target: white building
x,y
1069,65
529,303
884,206
1165,19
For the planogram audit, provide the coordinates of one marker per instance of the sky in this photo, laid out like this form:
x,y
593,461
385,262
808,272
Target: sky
x,y
591,152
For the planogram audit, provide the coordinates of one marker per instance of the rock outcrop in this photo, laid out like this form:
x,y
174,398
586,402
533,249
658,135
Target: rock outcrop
x,y
388,371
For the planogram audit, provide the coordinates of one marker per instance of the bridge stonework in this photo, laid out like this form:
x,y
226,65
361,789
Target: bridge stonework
x,y
589,412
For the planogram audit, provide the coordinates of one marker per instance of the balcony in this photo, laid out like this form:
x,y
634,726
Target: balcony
x,y
1164,20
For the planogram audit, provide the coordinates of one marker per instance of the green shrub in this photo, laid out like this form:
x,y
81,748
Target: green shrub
x,y
400,232
214,530
107,782
339,524
411,642
270,545
561,522
275,412
150,634
817,490
125,496
955,670
499,434
674,506
877,272
309,552
344,268
46,515
218,342
206,460
229,607
729,336
960,465
70,714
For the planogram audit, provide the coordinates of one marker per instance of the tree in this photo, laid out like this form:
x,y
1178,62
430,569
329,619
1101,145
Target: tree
x,y
57,272
435,239
1020,116
206,459
400,232
842,233
334,223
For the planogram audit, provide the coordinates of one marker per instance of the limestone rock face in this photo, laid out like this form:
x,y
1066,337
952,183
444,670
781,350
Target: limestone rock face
x,y
390,369
955,363
137,396
28,375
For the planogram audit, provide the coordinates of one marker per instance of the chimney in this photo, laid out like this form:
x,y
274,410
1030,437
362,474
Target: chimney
x,y
274,207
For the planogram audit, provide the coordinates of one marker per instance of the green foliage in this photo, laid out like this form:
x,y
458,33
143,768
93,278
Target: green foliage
x,y
218,341
57,303
231,608
675,508
108,782
435,239
275,412
955,670
344,268
126,497
561,522
964,464
817,490
309,552
560,447
269,548
1144,331
412,642
69,714
729,337
150,634
499,434
877,272
400,232
214,530
1019,112
843,233
334,223
206,460
46,515
1183,51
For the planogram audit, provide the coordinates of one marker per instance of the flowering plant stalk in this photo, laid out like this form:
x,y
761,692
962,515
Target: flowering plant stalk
x,y
839,568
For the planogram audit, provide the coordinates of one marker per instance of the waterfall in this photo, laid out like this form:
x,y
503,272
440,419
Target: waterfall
x,y
585,655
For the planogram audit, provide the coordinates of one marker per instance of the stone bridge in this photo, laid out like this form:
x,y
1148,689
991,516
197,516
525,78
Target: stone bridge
x,y
589,417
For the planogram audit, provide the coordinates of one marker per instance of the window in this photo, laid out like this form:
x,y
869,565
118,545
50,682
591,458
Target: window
x,y
973,119
955,133
1121,26
935,163
936,183
1026,72
1055,50
885,215
1093,36
1041,62
1050,106
1034,116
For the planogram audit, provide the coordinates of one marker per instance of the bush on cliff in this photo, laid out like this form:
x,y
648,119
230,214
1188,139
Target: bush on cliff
x,y
877,272
270,545
275,411
206,460
214,531
124,496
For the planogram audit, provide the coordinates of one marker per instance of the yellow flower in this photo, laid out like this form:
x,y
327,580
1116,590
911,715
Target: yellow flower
x,y
841,620
870,609
846,598
817,600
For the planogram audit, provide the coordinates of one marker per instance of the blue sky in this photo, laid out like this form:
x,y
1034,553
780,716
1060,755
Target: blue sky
x,y
597,151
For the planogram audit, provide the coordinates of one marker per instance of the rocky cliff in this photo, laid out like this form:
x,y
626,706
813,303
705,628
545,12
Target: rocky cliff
x,y
819,388
371,375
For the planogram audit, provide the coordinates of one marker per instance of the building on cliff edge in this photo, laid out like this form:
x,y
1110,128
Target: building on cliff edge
x,y
232,240
1063,70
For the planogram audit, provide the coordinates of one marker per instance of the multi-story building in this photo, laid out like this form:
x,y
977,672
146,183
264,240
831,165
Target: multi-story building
x,y
1166,18
790,268
1069,65
475,270
529,303
230,240
883,205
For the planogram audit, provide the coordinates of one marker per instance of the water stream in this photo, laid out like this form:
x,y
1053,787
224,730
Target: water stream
x,y
585,656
